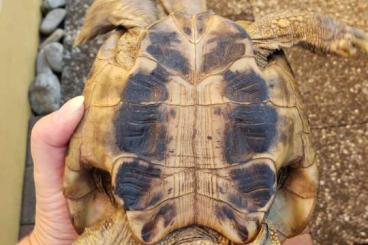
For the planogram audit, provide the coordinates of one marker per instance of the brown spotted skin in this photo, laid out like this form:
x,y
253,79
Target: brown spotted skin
x,y
195,133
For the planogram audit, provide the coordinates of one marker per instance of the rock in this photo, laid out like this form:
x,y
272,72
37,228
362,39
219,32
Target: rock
x,y
52,20
50,58
43,65
56,36
54,56
77,60
44,94
48,5
25,230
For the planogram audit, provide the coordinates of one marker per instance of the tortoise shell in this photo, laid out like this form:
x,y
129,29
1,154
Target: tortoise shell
x,y
189,130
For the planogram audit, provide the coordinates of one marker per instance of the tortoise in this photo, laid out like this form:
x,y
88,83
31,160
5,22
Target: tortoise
x,y
194,131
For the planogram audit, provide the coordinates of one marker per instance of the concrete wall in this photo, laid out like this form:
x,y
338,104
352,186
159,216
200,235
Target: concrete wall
x,y
19,21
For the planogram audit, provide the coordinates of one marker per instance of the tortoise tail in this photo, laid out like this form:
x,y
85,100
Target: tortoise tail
x,y
187,6
105,15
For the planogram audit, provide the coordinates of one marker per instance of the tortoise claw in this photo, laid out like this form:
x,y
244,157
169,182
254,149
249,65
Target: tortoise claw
x,y
359,39
353,40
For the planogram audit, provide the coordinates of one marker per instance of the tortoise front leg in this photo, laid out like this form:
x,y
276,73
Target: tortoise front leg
x,y
313,31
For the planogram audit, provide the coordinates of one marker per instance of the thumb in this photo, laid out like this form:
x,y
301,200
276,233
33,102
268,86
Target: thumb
x,y
49,140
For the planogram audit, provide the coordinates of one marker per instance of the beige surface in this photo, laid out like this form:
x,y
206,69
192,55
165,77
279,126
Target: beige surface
x,y
19,22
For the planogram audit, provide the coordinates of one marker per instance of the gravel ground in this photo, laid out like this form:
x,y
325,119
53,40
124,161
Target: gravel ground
x,y
334,90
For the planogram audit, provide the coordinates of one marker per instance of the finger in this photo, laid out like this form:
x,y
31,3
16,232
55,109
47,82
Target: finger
x,y
49,140
304,239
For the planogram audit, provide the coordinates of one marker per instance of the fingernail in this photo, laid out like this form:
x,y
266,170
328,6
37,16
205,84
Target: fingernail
x,y
74,104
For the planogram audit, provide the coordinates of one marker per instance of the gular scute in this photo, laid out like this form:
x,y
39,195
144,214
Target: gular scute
x,y
140,130
146,87
187,31
245,87
133,181
252,129
163,49
256,184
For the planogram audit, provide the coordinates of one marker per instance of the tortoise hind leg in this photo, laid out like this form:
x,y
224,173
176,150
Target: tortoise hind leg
x,y
106,15
92,209
314,31
295,200
114,230
83,189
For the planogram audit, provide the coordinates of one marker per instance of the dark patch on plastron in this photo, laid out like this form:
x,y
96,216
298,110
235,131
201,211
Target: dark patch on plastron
x,y
218,111
187,30
143,87
255,186
167,213
163,50
229,47
133,181
201,22
251,129
238,200
173,113
155,199
139,129
245,87
184,23
225,213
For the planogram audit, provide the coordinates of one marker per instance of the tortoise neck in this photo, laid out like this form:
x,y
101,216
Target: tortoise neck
x,y
187,6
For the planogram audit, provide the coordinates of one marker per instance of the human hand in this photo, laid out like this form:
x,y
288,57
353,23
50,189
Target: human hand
x,y
49,140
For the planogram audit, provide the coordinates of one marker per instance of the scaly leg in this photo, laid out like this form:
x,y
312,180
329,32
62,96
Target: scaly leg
x,y
114,230
314,31
87,200
106,15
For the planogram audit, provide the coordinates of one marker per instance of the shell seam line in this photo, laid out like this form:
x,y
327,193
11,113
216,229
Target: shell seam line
x,y
194,79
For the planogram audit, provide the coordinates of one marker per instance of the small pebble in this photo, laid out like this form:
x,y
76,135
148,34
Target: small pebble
x,y
48,5
42,64
45,94
54,56
56,36
52,21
